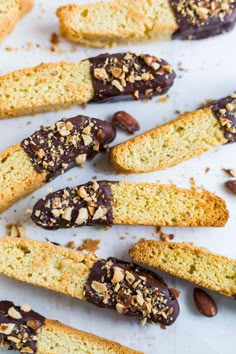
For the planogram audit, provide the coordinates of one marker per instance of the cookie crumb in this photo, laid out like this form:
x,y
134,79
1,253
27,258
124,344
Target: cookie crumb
x,y
89,245
207,169
71,245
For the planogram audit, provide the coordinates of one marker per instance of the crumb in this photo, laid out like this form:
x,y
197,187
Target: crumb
x,y
28,123
83,105
106,227
49,190
9,49
70,179
29,46
142,239
54,243
158,230
177,112
162,326
122,238
164,99
54,39
89,245
73,48
28,211
175,292
166,238
205,102
15,230
180,67
94,177
193,184
71,245
207,169
231,173
145,100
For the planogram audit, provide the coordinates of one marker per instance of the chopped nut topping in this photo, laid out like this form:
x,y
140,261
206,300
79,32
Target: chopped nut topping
x,y
7,328
99,287
120,308
67,214
13,313
26,308
82,216
118,275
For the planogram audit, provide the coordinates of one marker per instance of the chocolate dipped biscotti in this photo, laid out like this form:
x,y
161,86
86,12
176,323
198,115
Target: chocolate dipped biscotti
x,y
111,283
105,24
27,331
186,261
11,11
49,152
56,86
109,202
181,139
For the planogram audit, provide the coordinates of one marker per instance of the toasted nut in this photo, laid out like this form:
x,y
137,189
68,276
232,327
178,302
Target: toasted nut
x,y
120,308
80,159
82,216
118,275
13,339
231,173
87,139
27,350
26,308
204,303
13,313
125,122
116,72
67,214
71,245
99,213
129,277
100,74
231,185
6,328
99,287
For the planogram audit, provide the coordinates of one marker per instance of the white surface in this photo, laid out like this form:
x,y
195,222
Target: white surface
x,y
211,73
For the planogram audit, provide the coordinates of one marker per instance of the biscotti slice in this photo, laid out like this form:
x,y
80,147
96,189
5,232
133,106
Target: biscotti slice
x,y
124,21
107,203
189,135
189,262
110,283
54,86
27,331
11,12
49,152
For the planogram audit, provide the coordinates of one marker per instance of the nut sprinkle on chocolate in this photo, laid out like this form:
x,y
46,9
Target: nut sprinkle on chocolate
x,y
128,74
199,19
132,291
87,204
19,327
66,143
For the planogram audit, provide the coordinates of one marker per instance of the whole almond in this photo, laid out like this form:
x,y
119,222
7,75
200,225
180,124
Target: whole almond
x,y
204,303
231,185
125,122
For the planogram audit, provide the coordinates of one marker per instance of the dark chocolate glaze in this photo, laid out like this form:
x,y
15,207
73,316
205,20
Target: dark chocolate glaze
x,y
68,142
87,204
199,19
128,74
19,333
140,293
225,111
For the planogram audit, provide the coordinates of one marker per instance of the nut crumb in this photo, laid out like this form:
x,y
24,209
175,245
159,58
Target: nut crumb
x,y
71,245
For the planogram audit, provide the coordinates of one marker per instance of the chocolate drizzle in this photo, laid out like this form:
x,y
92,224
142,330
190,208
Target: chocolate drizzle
x,y
68,142
87,204
225,111
199,19
132,291
19,327
120,75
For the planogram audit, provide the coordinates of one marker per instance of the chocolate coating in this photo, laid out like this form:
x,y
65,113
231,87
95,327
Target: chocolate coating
x,y
132,291
225,111
202,19
68,142
128,74
87,204
19,333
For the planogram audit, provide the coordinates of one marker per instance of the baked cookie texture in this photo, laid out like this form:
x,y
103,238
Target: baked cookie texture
x,y
188,136
106,24
125,21
107,203
186,261
54,86
29,332
11,11
47,153
105,283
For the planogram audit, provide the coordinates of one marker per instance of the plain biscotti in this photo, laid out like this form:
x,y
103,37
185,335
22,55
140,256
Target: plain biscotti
x,y
11,12
105,24
27,331
184,260
54,86
111,283
48,152
189,135
109,202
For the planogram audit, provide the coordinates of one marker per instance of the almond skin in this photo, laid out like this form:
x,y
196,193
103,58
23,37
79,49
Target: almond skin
x,y
125,122
204,303
231,185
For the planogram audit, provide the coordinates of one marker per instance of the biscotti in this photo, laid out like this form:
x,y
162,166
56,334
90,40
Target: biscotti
x,y
11,11
49,152
55,86
111,283
189,135
125,21
27,331
189,262
107,203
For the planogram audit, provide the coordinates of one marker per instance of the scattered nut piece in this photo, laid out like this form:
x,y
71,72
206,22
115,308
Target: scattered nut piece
x,y
89,245
230,172
204,303
231,185
125,122
26,308
120,308
71,245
